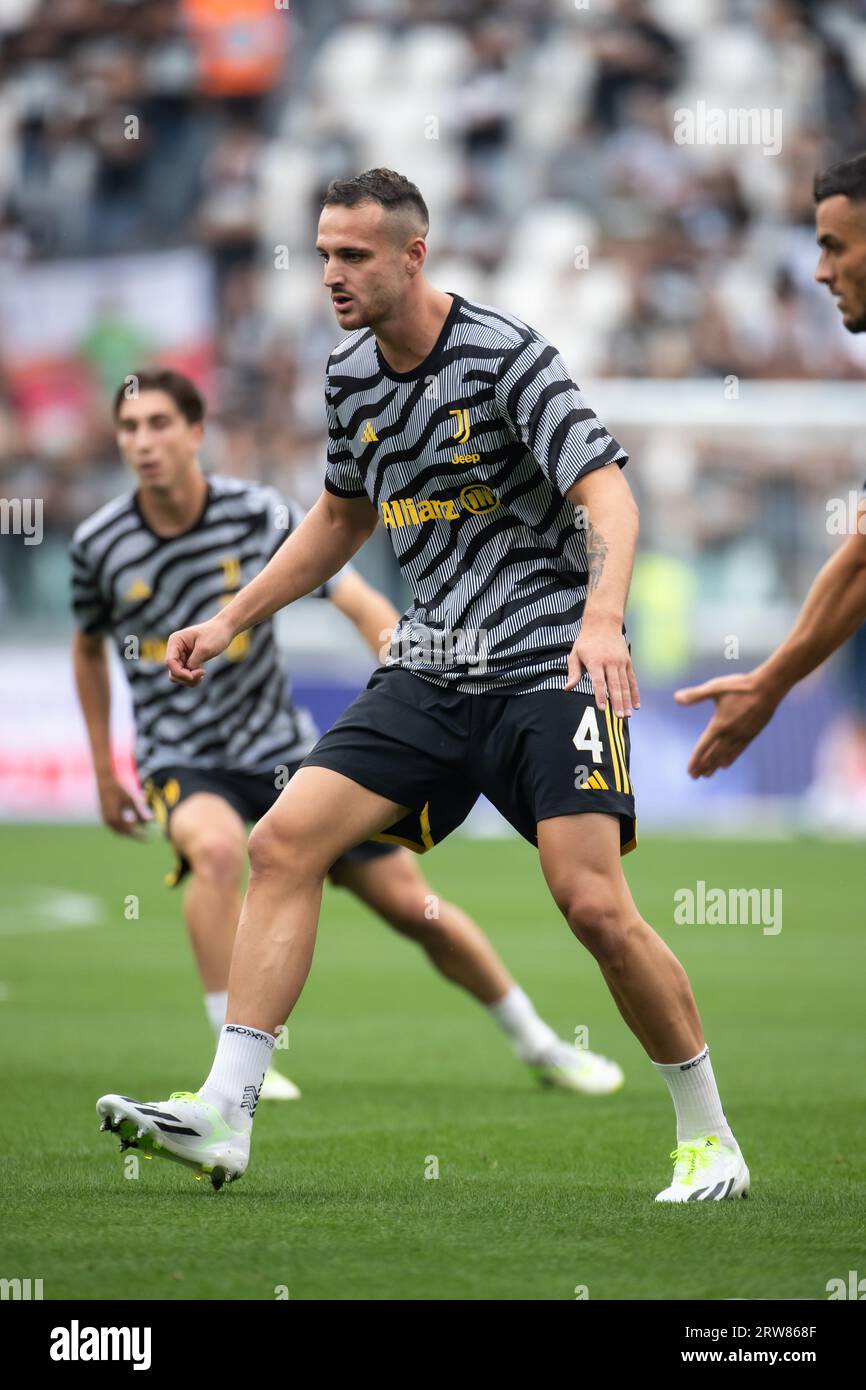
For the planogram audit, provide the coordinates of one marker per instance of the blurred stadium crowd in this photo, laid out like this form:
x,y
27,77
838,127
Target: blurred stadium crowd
x,y
539,131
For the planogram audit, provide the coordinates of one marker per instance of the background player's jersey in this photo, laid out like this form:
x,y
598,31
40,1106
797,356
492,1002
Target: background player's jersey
x,y
466,458
140,587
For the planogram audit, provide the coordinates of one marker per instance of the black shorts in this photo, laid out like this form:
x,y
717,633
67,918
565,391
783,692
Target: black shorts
x,y
251,794
550,753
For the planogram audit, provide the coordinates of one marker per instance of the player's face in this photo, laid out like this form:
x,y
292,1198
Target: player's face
x,y
367,267
157,441
841,230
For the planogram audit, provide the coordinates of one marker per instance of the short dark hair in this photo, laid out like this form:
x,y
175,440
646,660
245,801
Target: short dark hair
x,y
390,190
183,391
847,178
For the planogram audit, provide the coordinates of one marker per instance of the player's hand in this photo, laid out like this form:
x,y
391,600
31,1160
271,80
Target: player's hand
x,y
120,810
602,651
743,707
189,648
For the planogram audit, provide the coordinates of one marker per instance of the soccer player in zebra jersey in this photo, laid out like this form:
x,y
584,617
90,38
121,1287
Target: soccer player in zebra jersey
x,y
212,759
458,427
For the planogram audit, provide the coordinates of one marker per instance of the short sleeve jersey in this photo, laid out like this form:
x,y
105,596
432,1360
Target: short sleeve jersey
x,y
138,588
467,460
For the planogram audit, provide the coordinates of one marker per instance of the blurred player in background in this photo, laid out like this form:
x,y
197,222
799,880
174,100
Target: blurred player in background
x,y
835,606
164,555
462,428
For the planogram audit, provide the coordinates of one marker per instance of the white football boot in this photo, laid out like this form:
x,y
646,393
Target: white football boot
x,y
706,1170
184,1128
574,1069
278,1087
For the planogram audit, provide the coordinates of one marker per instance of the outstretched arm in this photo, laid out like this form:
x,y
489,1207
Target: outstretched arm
x,y
834,608
330,534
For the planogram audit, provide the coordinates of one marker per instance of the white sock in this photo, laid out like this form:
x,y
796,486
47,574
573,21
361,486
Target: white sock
x,y
516,1016
696,1098
243,1056
215,1006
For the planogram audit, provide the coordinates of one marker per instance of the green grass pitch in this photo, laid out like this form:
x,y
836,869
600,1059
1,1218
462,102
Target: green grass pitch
x,y
539,1194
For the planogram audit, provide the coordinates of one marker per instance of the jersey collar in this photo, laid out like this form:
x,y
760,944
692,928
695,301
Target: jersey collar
x,y
425,367
180,534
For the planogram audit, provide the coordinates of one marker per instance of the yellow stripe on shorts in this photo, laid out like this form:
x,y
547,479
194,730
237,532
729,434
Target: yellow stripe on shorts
x,y
617,728
612,744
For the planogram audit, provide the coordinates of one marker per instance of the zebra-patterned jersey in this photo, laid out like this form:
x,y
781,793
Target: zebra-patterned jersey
x,y
467,459
140,587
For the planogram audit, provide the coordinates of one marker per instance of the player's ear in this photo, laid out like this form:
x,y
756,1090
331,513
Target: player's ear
x,y
416,255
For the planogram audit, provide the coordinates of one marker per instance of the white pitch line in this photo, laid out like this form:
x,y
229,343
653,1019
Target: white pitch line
x,y
31,908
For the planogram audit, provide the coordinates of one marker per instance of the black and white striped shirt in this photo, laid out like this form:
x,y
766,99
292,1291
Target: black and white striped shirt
x,y
467,459
140,587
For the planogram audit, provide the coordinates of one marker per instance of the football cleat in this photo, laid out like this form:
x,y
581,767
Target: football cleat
x,y
278,1087
706,1170
184,1128
574,1069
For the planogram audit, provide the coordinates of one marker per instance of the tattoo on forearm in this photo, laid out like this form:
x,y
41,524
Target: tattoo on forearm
x,y
596,550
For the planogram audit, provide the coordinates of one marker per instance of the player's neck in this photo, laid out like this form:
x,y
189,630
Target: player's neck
x,y
172,510
406,341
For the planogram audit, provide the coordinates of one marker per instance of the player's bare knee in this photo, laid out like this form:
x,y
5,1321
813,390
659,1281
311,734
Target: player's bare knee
x,y
598,920
281,849
219,859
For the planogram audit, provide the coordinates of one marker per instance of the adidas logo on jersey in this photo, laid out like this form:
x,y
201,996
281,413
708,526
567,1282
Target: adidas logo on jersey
x,y
139,588
368,434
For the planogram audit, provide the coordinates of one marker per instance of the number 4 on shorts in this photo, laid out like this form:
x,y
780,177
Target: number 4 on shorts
x,y
586,735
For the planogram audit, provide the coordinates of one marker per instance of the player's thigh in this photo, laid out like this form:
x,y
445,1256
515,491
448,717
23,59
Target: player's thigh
x,y
581,849
209,834
315,819
391,885
581,862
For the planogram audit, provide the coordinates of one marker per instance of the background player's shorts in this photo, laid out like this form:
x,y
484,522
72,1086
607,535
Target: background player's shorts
x,y
550,753
251,794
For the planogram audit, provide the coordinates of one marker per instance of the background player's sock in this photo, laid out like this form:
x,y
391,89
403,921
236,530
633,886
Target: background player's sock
x,y
215,1006
516,1016
696,1098
243,1056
